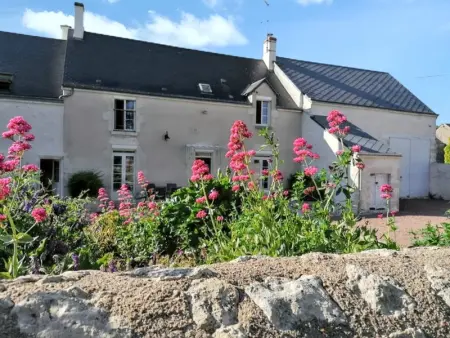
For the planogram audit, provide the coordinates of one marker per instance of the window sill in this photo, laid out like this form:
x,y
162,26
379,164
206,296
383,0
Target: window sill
x,y
124,133
262,126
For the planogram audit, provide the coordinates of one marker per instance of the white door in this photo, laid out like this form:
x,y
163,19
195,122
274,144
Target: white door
x,y
123,172
420,168
378,181
415,165
403,146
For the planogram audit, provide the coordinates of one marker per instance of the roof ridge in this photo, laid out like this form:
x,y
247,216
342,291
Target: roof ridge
x,y
31,36
174,47
334,65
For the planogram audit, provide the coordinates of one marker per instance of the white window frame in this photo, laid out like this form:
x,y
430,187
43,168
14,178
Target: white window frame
x,y
261,168
124,111
124,155
265,104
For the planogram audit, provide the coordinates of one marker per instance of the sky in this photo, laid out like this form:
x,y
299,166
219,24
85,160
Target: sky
x,y
408,38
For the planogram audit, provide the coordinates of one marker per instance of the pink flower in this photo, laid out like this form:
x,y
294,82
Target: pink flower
x,y
386,196
200,171
302,150
251,152
265,197
213,195
39,214
142,181
93,217
380,216
220,218
19,147
286,193
251,185
356,148
19,125
235,188
200,200
2,218
278,176
102,195
5,189
360,165
310,171
201,214
8,134
264,172
28,137
111,205
335,118
339,152
309,190
306,208
141,205
387,188
394,213
30,168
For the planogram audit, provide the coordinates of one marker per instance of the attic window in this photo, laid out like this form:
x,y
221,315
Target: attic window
x,y
5,82
205,88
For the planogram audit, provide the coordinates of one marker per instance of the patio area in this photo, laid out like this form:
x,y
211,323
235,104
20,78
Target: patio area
x,y
413,215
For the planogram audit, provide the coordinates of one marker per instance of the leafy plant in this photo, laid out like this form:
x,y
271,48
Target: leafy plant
x,y
447,152
88,182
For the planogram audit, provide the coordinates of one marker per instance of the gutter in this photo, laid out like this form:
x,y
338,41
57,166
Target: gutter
x,y
64,95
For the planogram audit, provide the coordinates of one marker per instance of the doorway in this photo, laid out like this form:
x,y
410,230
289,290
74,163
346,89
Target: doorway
x,y
50,175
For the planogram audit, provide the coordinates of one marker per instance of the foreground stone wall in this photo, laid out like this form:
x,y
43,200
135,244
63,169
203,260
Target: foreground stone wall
x,y
372,294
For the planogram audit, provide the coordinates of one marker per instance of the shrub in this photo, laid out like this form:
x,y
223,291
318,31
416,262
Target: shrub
x,y
85,181
447,152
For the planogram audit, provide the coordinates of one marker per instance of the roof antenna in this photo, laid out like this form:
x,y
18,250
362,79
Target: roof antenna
x,y
267,21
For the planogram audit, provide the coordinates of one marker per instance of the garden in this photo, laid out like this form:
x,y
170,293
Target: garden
x,y
213,219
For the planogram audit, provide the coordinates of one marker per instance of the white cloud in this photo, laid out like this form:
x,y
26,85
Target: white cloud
x,y
314,2
211,3
189,31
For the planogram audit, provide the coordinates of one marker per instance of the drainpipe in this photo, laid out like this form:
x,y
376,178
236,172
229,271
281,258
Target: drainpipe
x,y
64,94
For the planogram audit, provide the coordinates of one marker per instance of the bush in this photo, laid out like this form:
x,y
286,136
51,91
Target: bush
x,y
447,152
85,181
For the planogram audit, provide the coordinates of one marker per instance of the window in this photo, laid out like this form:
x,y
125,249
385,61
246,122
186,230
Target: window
x,y
205,156
205,88
5,82
124,115
262,113
50,174
260,165
123,170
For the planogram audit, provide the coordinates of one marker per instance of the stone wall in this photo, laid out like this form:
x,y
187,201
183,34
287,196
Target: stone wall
x,y
379,293
440,180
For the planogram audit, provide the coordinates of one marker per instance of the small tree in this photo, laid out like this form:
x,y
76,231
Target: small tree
x,y
447,152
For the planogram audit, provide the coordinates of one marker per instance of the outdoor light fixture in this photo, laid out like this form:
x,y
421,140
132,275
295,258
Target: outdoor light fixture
x,y
166,136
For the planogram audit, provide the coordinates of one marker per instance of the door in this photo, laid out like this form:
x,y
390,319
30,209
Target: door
x,y
123,172
415,166
403,146
50,175
378,181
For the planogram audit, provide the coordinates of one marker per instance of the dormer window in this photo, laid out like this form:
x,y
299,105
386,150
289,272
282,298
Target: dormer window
x,y
205,88
5,82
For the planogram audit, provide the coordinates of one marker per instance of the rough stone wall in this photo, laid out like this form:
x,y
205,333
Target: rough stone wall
x,y
379,293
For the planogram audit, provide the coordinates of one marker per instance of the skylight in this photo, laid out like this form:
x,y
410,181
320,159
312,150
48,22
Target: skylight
x,y
205,88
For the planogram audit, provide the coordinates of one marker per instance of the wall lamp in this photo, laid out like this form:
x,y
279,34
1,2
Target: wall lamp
x,y
166,136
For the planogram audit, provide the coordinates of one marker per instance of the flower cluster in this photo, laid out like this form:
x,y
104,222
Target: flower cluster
x,y
200,171
105,202
386,191
30,168
310,171
5,188
39,214
335,118
356,148
125,199
238,133
303,150
142,180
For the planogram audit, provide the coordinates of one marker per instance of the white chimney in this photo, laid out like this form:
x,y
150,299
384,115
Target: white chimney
x,y
65,31
270,51
78,32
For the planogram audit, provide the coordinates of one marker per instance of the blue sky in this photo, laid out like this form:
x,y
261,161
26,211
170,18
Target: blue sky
x,y
408,38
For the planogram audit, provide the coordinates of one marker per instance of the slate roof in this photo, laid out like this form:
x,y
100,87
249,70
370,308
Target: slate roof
x,y
352,86
36,64
357,136
110,63
252,87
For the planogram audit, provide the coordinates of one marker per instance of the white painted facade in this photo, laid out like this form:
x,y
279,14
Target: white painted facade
x,y
439,180
46,119
193,126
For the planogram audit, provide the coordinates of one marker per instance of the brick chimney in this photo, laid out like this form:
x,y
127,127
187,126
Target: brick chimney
x,y
270,51
78,32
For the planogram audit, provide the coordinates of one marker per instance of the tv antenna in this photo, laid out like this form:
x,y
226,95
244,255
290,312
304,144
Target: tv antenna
x,y
266,2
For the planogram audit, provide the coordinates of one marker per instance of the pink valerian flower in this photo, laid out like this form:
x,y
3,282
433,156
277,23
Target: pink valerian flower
x,y
239,158
251,185
201,214
200,171
30,168
302,150
142,180
311,171
219,218
339,152
286,193
39,214
335,118
111,205
2,218
19,125
93,217
201,200
19,147
240,178
102,195
265,172
306,208
380,216
213,195
386,191
394,213
360,165
125,198
28,137
356,148
152,205
9,165
5,189
141,205
8,134
309,190
278,176
235,188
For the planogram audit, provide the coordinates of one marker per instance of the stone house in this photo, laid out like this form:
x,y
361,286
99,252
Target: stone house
x,y
118,105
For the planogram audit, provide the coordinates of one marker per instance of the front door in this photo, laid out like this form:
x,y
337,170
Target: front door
x,y
50,175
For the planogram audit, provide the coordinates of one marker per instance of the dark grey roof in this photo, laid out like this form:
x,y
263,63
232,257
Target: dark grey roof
x,y
110,63
352,86
36,64
357,136
252,87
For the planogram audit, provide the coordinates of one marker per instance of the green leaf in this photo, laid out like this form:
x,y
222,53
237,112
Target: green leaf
x,y
7,239
24,238
5,275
